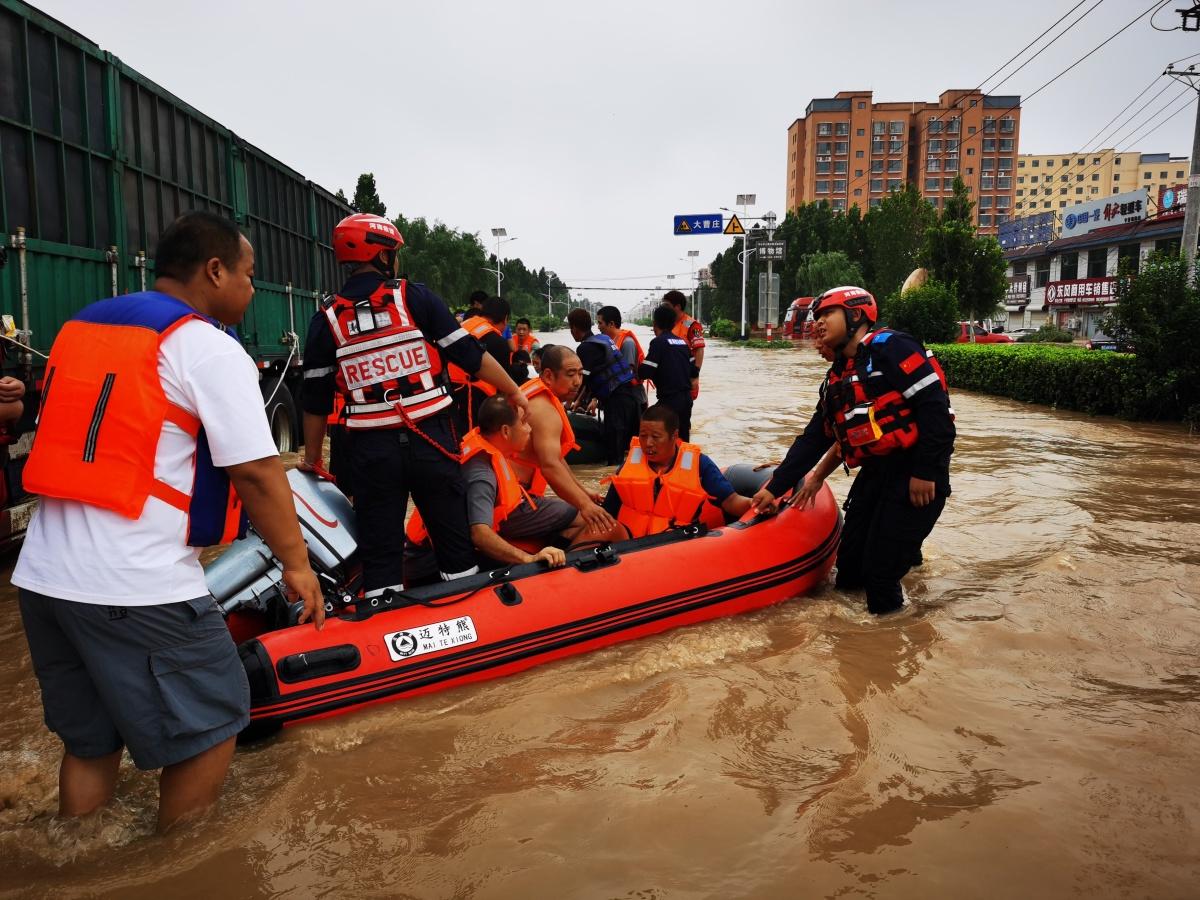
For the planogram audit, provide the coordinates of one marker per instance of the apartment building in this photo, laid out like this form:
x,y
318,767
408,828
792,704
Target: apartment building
x,y
852,151
1050,182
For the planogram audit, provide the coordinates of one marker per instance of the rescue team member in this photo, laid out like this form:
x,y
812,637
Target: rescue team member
x,y
499,508
12,390
666,482
543,461
536,358
609,380
886,406
488,327
523,338
380,342
670,366
151,418
691,330
608,322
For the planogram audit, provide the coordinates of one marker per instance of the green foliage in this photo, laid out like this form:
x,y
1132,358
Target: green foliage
x,y
971,265
546,323
1047,334
929,313
818,272
1158,312
723,328
895,235
778,344
366,197
1066,377
647,322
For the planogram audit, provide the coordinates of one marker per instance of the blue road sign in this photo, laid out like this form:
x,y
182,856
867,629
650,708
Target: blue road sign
x,y
706,223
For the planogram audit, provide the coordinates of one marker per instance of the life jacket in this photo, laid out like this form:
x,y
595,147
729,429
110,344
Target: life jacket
x,y
626,335
525,343
614,372
509,492
865,414
389,375
102,412
566,440
682,326
339,408
652,502
477,327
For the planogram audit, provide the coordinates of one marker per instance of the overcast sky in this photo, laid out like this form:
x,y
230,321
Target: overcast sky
x,y
583,128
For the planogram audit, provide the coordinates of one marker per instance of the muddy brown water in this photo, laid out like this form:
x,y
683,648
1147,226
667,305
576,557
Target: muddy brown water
x,y
1029,727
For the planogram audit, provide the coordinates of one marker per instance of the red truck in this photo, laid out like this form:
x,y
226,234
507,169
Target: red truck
x,y
982,335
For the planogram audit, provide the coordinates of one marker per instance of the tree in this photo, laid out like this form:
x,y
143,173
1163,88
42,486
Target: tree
x,y
971,266
818,272
366,197
340,196
895,235
929,313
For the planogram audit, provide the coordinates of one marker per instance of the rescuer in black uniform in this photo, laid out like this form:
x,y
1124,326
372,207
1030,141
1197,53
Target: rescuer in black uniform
x,y
885,404
380,343
608,378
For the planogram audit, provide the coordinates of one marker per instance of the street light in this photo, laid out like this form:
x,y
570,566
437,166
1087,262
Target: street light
x,y
691,256
499,233
744,201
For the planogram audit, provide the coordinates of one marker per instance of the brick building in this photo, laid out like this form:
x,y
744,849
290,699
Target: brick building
x,y
849,150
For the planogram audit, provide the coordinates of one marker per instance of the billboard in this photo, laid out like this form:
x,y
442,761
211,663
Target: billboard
x,y
1029,230
1172,201
1119,209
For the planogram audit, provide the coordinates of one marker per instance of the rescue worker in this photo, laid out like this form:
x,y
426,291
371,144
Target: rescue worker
x,y
608,322
609,380
380,342
886,406
488,326
666,482
543,462
152,442
670,366
691,330
523,338
536,358
499,508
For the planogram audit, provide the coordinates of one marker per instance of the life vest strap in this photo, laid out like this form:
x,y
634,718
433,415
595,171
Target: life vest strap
x,y
179,416
170,495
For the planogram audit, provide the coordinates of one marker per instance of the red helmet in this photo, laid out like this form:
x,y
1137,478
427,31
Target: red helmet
x,y
847,298
360,237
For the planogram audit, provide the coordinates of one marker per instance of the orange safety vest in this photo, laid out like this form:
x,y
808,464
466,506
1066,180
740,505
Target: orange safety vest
x,y
389,374
477,327
525,343
683,325
864,414
566,441
509,492
652,502
102,412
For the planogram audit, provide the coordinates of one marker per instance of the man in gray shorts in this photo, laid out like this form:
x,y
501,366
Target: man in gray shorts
x,y
500,512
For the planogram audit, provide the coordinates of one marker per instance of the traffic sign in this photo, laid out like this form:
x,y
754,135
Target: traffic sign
x,y
772,250
706,223
734,226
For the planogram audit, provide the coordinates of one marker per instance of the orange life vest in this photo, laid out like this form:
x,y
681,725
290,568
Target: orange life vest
x,y
477,327
388,373
509,492
866,415
525,343
102,412
652,502
566,441
683,327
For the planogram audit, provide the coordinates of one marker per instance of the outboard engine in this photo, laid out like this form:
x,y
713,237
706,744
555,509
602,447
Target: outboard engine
x,y
248,576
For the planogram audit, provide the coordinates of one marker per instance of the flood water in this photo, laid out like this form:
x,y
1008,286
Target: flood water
x,y
1029,727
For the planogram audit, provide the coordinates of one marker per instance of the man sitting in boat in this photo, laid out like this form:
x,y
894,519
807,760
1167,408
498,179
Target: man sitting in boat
x,y
667,483
543,461
499,508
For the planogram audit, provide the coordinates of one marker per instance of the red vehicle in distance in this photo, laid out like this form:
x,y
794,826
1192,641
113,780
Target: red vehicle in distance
x,y
982,335
797,323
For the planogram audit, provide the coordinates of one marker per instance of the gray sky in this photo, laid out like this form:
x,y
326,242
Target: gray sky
x,y
583,128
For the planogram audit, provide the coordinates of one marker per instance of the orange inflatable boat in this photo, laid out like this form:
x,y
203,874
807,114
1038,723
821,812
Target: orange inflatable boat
x,y
505,620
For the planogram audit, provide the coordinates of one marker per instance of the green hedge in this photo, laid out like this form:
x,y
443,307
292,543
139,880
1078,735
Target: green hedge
x,y
723,328
777,344
1092,381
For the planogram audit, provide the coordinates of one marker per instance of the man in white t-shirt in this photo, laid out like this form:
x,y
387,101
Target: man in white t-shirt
x,y
129,648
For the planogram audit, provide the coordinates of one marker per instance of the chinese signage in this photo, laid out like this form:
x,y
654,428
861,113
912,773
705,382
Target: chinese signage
x,y
1018,289
772,251
1118,209
1172,200
430,638
704,223
1084,291
1027,231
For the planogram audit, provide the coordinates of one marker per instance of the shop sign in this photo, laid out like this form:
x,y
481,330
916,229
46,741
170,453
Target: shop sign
x,y
1172,201
1085,291
1119,209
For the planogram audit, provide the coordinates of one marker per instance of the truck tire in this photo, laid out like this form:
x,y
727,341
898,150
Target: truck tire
x,y
281,416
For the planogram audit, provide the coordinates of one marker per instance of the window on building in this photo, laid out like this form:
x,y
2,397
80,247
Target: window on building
x,y
970,151
1096,177
947,184
858,154
1095,190
1020,179
1062,204
971,129
862,104
895,165
985,220
951,163
1020,193
1005,163
1066,162
858,192
1008,125
1117,160
1006,145
985,202
951,145
1179,173
970,171
935,202
895,146
893,184
873,202
989,145
1021,268
935,126
1020,164
1079,177
1162,175
1035,163
822,187
877,165
1097,263
987,165
824,148
1068,266
954,125
1116,178
878,127
935,146
989,125
1033,179
839,167
839,204
858,173
1128,257
877,148
1147,176
859,132
1169,246
933,184
1003,201
823,167
841,148
876,185
841,128
1095,160
1062,190
1045,204
1041,272
839,186
1063,178
1078,190
896,127
1004,182
986,182
824,129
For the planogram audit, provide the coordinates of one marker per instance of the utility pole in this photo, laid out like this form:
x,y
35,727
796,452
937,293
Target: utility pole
x,y
1191,216
745,201
692,254
770,220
